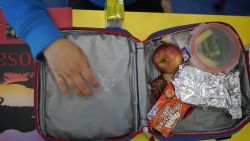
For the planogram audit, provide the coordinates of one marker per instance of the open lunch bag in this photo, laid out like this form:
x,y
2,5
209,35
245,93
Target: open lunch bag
x,y
119,107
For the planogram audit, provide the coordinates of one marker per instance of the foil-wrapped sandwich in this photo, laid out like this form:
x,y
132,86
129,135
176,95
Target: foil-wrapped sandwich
x,y
209,90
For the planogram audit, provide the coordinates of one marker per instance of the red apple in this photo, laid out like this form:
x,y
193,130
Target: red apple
x,y
167,58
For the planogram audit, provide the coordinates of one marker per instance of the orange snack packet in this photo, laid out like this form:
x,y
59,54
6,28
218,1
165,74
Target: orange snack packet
x,y
167,111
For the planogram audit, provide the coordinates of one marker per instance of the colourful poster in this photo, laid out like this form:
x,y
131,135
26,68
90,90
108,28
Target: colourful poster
x,y
16,94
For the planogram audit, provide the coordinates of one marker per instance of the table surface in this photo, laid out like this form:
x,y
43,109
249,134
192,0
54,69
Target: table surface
x,y
141,25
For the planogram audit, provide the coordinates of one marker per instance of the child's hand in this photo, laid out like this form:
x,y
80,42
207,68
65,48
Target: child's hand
x,y
69,64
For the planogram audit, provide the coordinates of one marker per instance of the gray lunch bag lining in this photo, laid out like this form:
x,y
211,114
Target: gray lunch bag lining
x,y
112,110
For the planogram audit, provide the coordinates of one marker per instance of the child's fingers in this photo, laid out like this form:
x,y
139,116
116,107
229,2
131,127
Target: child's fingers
x,y
88,75
81,85
61,84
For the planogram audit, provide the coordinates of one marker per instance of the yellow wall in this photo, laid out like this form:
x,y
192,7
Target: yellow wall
x,y
141,25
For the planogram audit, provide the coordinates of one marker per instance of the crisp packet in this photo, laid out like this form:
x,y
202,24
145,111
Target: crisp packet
x,y
167,111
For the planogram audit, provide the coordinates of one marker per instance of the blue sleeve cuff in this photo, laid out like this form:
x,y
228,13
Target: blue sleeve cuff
x,y
41,36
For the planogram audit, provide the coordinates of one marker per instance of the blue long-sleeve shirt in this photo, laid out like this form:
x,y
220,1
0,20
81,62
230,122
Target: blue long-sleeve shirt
x,y
31,22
